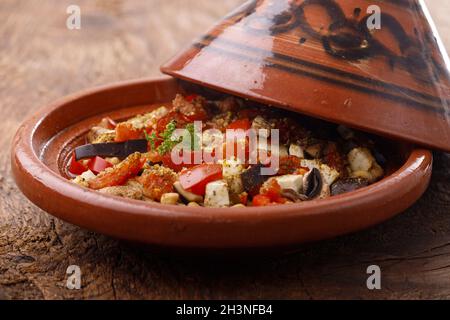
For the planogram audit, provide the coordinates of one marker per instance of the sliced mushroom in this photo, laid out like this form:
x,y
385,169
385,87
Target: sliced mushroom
x,y
314,183
293,195
188,196
347,185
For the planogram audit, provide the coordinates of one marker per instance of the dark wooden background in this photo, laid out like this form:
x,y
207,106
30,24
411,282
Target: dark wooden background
x,y
41,60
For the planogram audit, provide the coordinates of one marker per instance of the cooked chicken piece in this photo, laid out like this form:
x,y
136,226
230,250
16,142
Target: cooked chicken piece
x,y
212,139
325,192
148,120
232,169
372,175
235,184
114,161
170,198
193,204
188,108
157,180
290,181
310,164
281,152
221,121
216,195
364,165
314,150
131,190
296,150
329,174
262,126
84,178
101,135
360,159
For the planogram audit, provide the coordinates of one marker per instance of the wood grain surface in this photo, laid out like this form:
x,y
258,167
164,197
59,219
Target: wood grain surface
x,y
41,60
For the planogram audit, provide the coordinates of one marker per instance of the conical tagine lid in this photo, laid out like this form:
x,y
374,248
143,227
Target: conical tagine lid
x,y
379,68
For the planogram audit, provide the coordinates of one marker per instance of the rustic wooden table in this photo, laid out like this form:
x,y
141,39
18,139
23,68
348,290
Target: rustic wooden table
x,y
41,60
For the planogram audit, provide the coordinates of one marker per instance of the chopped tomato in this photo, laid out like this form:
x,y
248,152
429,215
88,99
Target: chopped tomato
x,y
242,124
156,182
261,201
76,167
281,200
98,164
191,97
119,174
196,178
243,198
191,155
272,190
125,132
240,128
289,165
180,119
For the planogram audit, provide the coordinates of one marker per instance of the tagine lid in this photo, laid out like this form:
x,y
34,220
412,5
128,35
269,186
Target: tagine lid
x,y
320,58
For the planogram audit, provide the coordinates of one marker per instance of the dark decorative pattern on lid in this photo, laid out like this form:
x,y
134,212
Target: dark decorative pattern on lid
x,y
319,57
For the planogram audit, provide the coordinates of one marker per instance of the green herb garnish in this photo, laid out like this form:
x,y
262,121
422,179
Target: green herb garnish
x,y
166,137
167,142
195,140
152,139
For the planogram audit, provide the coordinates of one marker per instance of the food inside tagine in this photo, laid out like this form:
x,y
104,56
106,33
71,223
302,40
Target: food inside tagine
x,y
313,160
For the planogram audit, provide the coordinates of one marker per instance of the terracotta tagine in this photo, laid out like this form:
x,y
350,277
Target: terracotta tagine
x,y
316,57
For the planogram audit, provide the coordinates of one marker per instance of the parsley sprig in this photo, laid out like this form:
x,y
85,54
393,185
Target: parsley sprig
x,y
167,141
195,140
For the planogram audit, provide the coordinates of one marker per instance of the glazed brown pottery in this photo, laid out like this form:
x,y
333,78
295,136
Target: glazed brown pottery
x,y
329,60
42,144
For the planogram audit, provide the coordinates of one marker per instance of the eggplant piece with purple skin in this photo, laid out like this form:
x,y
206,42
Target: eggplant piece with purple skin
x,y
120,150
252,179
347,185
